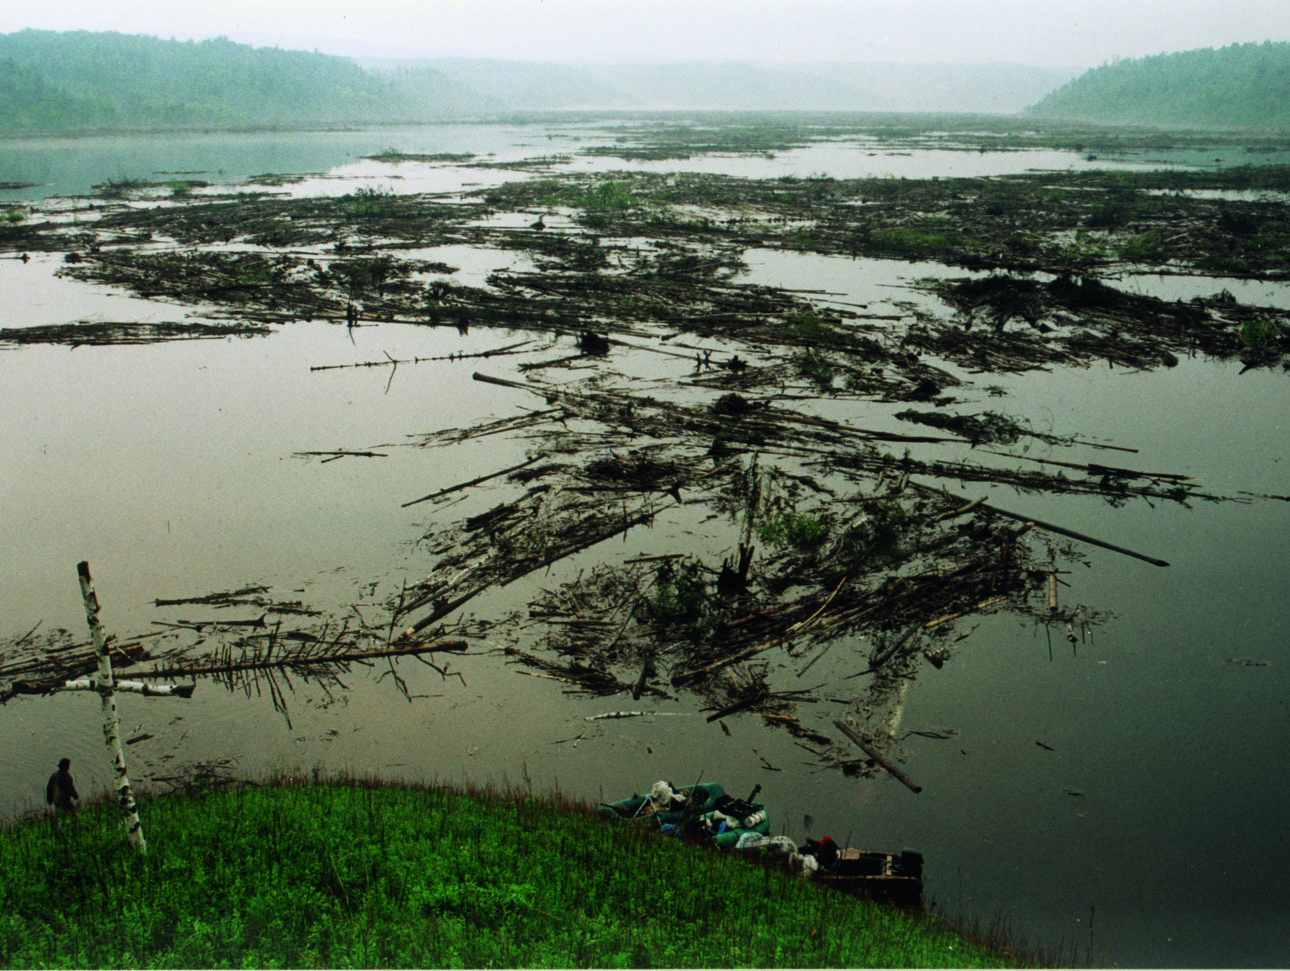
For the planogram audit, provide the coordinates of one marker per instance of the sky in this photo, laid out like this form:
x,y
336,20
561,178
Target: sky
x,y
1075,33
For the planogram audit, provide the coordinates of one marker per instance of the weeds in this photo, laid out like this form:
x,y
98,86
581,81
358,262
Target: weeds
x,y
808,327
876,540
681,597
986,428
608,195
1259,332
912,243
793,529
369,203
1143,248
349,875
815,369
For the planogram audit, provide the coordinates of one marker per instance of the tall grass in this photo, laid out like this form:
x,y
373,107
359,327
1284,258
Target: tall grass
x,y
357,875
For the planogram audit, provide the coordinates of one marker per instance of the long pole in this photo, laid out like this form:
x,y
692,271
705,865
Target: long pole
x,y
111,723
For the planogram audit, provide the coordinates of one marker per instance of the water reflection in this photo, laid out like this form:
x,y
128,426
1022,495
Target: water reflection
x,y
176,467
72,166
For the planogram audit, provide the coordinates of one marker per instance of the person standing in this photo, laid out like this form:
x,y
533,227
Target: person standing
x,y
60,791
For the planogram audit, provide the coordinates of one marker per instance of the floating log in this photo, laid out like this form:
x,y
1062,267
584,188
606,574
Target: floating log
x,y
391,361
738,706
311,660
599,536
1096,469
961,510
342,453
519,385
955,616
65,662
1054,528
259,622
137,687
868,749
1082,537
803,624
472,482
812,661
890,652
616,714
224,598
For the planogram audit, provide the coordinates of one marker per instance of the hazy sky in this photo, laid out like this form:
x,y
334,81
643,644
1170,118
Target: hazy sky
x,y
1046,32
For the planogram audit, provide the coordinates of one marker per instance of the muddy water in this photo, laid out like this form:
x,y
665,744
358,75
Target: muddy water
x,y
1143,828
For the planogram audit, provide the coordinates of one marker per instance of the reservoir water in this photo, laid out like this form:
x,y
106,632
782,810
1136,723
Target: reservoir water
x,y
1120,795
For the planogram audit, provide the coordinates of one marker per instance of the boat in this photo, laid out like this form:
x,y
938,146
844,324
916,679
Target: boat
x,y
881,875
708,812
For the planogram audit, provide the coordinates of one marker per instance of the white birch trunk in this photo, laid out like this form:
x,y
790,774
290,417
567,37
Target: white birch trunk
x,y
138,687
111,724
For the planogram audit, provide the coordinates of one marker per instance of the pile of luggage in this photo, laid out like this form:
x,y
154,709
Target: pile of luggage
x,y
708,813
705,811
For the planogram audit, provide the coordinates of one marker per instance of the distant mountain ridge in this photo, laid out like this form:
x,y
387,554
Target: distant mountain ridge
x,y
1238,86
104,80
982,88
81,81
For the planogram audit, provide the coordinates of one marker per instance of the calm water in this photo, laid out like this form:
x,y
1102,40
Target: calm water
x,y
1147,830
63,166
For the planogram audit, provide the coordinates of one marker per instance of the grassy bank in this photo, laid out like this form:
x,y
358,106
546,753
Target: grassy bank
x,y
351,875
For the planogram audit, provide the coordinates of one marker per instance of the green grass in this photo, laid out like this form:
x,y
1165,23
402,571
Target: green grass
x,y
912,242
806,325
1257,333
681,600
608,195
793,529
815,369
1143,248
366,202
355,875
877,540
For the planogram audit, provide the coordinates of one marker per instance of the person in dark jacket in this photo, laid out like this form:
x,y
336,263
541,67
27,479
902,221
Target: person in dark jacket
x,y
60,791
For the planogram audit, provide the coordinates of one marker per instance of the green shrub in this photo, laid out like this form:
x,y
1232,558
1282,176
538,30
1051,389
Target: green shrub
x,y
680,596
815,369
609,195
1256,334
1143,248
368,202
877,540
793,529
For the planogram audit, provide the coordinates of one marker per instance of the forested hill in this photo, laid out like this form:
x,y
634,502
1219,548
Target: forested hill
x,y
1239,86
88,81
83,80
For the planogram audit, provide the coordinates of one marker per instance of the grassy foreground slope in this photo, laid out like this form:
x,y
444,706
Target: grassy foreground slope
x,y
1238,86
352,875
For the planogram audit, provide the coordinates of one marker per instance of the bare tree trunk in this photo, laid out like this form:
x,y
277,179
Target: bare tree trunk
x,y
139,687
111,724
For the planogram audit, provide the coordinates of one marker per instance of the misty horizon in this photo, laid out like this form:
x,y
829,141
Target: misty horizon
x,y
1058,33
